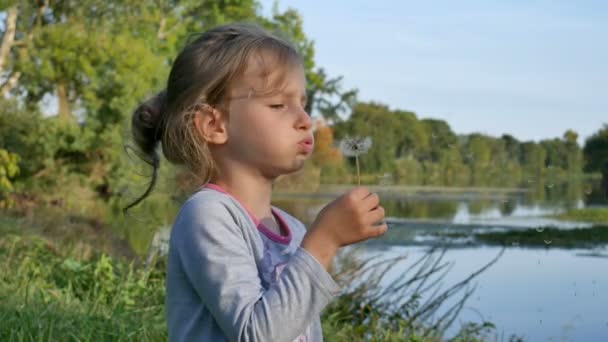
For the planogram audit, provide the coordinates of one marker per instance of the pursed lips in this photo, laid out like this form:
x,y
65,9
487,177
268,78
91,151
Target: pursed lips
x,y
307,144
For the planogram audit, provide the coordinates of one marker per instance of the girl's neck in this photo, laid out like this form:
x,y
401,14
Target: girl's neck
x,y
256,194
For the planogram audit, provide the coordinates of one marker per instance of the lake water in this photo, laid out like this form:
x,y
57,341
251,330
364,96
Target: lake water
x,y
540,294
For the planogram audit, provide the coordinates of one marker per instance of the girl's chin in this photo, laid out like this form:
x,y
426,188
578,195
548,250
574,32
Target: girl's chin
x,y
286,171
297,165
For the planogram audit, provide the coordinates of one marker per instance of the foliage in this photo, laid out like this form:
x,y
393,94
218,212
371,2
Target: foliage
x,y
596,155
427,152
48,293
8,169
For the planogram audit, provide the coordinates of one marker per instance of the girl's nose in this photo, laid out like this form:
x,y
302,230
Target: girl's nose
x,y
304,119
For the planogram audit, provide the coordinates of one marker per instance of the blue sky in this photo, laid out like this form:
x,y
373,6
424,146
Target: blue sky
x,y
532,69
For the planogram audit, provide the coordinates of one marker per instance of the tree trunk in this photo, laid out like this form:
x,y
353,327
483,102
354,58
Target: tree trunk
x,y
9,36
63,102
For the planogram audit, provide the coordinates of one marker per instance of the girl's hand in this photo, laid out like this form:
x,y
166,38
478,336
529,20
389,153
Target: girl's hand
x,y
353,217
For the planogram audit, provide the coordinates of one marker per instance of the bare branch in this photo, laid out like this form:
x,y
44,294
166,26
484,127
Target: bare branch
x,y
41,10
10,83
161,34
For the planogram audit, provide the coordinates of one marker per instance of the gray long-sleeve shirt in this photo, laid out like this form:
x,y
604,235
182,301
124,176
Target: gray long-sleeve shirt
x,y
231,278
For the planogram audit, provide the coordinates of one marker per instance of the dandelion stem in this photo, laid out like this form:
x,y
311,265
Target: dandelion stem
x,y
358,174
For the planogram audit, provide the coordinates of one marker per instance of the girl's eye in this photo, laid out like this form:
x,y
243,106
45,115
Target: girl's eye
x,y
277,106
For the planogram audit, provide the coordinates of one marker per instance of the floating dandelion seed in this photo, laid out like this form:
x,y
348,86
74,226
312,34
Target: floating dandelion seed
x,y
588,190
353,147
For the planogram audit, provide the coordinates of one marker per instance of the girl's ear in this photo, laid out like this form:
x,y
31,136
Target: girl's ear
x,y
211,125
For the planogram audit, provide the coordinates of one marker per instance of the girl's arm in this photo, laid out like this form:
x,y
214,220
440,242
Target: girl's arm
x,y
221,267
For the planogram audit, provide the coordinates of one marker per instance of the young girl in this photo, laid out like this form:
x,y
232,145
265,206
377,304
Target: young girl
x,y
240,269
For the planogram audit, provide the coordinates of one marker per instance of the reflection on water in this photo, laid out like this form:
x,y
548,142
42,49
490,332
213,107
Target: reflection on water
x,y
521,217
471,207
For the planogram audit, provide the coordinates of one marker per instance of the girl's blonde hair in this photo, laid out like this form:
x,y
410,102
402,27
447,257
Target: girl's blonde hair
x,y
202,74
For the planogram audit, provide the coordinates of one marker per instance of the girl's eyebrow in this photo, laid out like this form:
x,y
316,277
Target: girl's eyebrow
x,y
296,94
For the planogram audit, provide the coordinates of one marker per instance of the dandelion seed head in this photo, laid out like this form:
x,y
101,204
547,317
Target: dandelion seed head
x,y
355,146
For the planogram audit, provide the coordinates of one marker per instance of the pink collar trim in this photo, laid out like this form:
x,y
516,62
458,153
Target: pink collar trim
x,y
284,239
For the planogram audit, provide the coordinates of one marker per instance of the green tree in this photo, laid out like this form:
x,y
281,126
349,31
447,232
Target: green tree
x,y
479,148
98,59
442,138
574,159
408,171
512,146
533,160
596,154
412,138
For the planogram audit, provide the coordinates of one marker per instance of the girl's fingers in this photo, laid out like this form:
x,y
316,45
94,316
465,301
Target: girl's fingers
x,y
371,201
376,215
377,230
360,193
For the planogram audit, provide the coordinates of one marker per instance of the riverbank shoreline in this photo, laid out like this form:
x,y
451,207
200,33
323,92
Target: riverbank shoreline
x,y
407,191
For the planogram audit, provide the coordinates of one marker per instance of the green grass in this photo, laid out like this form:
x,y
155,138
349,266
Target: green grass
x,y
593,215
50,292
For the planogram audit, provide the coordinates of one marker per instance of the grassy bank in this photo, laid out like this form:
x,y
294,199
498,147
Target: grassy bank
x,y
549,236
593,215
52,292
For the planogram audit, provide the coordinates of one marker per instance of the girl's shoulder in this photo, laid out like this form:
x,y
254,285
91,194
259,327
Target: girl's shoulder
x,y
206,197
209,203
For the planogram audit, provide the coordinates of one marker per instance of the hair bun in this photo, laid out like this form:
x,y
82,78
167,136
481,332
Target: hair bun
x,y
147,122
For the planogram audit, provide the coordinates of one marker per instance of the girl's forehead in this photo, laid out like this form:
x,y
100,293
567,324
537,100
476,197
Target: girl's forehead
x,y
266,77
